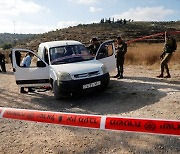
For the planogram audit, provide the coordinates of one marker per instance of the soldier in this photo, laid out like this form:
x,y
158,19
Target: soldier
x,y
121,49
169,47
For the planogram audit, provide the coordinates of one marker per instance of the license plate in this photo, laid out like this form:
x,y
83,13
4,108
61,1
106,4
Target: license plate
x,y
90,85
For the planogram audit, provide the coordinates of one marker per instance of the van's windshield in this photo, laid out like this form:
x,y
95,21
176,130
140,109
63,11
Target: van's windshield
x,y
69,54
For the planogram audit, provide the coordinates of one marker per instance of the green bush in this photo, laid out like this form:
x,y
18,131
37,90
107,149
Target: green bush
x,y
6,46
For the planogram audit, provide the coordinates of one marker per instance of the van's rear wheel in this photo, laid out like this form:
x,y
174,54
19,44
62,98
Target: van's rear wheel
x,y
56,90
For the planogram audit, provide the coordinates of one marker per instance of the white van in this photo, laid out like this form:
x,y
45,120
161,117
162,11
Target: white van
x,y
66,66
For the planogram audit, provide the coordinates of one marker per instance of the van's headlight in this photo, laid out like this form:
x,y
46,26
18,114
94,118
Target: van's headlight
x,y
63,76
104,69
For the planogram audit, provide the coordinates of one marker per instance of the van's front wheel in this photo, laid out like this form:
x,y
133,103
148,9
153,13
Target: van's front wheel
x,y
56,90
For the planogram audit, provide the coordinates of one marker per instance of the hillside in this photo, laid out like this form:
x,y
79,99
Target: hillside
x,y
84,33
104,31
7,38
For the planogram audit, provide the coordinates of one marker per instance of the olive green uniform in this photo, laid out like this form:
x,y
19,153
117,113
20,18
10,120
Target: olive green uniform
x,y
121,51
166,56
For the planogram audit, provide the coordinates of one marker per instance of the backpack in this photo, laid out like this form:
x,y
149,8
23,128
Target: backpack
x,y
174,45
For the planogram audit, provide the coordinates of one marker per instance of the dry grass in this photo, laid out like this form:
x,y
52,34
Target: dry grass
x,y
143,54
148,54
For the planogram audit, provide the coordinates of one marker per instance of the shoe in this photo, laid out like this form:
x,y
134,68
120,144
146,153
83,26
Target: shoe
x,y
120,77
116,76
23,91
168,76
31,90
160,76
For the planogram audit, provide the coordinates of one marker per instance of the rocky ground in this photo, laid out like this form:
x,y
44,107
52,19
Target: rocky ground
x,y
140,95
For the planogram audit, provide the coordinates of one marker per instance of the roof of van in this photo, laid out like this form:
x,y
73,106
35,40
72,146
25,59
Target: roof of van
x,y
59,43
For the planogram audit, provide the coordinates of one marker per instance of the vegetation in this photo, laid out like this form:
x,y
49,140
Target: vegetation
x,y
6,46
144,51
7,38
118,21
149,54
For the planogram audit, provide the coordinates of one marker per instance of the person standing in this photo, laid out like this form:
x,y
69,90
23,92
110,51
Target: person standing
x,y
18,57
2,62
94,46
26,62
169,47
121,50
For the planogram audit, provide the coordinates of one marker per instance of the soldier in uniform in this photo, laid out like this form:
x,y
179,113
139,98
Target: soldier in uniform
x,y
169,48
121,50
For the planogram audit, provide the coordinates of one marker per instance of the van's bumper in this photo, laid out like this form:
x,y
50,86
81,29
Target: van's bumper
x,y
67,88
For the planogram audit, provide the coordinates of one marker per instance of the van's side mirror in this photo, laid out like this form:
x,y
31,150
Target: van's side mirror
x,y
41,64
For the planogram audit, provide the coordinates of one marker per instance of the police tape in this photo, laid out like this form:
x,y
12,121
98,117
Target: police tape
x,y
153,35
152,126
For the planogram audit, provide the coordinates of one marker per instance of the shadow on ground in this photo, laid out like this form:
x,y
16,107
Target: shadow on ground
x,y
121,96
129,94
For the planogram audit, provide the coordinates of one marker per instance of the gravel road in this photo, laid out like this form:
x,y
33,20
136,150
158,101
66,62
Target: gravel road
x,y
140,95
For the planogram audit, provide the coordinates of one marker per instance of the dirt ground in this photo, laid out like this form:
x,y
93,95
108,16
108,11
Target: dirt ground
x,y
140,95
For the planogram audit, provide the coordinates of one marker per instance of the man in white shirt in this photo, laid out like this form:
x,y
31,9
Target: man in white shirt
x,y
26,62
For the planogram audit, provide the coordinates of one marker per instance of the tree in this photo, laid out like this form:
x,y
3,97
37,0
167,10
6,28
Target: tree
x,y
124,22
102,21
6,46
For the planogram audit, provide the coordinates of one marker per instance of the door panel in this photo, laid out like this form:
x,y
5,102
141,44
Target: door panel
x,y
106,54
29,76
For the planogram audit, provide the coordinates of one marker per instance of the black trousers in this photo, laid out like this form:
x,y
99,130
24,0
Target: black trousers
x,y
3,67
120,65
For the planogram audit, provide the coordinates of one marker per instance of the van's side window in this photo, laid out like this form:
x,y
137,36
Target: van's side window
x,y
27,59
105,51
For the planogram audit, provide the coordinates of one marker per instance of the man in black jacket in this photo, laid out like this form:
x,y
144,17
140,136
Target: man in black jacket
x,y
2,62
94,46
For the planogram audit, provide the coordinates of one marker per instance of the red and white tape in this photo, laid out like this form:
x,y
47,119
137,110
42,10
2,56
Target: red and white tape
x,y
153,126
153,35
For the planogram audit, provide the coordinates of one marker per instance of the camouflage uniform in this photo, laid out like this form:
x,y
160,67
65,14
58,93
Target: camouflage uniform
x,y
165,57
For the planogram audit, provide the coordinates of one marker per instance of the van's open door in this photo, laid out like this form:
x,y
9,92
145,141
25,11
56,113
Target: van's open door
x,y
106,54
35,75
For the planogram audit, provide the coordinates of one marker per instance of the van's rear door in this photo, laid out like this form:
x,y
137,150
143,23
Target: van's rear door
x,y
35,75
